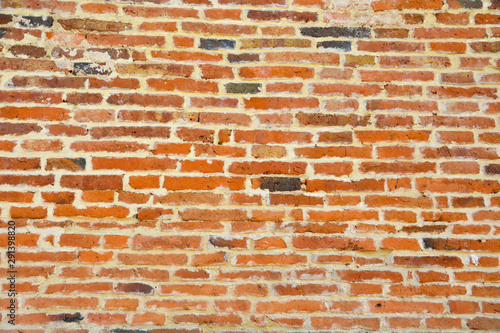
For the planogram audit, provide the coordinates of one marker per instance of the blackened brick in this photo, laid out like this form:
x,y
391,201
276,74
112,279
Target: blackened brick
x,y
338,32
243,88
339,45
216,44
431,243
280,184
73,318
36,21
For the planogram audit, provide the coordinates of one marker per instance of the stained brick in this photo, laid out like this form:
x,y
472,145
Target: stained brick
x,y
335,44
280,184
216,44
244,57
469,4
89,68
338,32
243,88
36,21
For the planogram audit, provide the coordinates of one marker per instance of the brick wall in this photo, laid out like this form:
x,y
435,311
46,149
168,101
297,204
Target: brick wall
x,y
247,165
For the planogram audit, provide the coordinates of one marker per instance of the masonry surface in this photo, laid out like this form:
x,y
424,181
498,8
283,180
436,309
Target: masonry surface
x,y
251,165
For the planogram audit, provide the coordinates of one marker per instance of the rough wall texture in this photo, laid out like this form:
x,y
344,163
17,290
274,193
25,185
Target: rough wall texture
x,y
247,165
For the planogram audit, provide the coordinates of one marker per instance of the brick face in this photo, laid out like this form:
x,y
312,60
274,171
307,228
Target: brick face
x,y
251,165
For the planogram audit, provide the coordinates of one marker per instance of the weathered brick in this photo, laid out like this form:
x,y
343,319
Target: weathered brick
x,y
470,4
338,32
492,169
244,57
94,25
243,88
317,119
335,44
28,50
134,288
5,18
216,44
156,69
89,68
261,15
36,21
280,184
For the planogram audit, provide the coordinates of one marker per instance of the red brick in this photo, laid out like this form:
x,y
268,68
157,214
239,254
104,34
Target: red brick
x,y
294,306
252,168
302,242
484,323
275,72
91,211
345,323
222,14
181,84
130,163
279,103
97,8
213,319
405,306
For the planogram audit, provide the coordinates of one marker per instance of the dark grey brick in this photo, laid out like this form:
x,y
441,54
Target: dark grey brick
x,y
243,88
3,31
340,45
216,44
90,68
73,318
244,57
280,184
36,21
472,4
339,32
